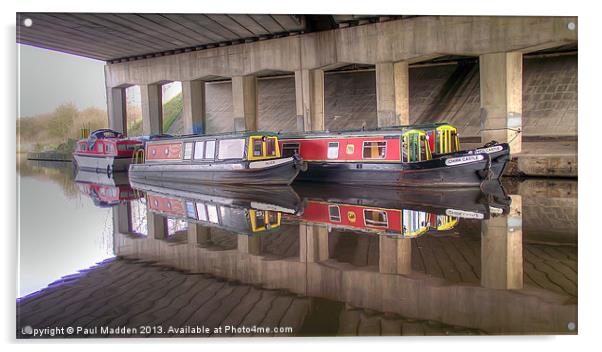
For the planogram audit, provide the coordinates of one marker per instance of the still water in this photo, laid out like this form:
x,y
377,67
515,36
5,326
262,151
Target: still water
x,y
101,255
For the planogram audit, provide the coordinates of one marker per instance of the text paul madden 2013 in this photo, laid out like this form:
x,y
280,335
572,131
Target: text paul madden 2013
x,y
154,330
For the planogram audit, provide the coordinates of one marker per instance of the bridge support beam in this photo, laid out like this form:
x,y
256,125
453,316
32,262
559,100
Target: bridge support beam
x,y
249,244
244,96
395,255
502,249
501,85
152,109
309,92
122,218
193,96
116,106
313,242
156,226
392,94
197,234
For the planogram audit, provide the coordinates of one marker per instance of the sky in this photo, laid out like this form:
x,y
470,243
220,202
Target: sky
x,y
49,78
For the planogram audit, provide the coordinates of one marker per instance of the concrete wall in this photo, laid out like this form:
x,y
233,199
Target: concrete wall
x,y
437,93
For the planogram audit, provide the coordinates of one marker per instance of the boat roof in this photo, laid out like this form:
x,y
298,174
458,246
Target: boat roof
x,y
381,131
225,135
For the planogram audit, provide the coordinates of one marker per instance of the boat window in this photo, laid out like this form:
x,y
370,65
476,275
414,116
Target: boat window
x,y
212,213
190,210
377,218
99,148
188,150
257,147
210,149
108,148
270,146
350,149
231,149
260,219
273,218
414,222
334,212
290,149
199,150
333,150
201,211
375,150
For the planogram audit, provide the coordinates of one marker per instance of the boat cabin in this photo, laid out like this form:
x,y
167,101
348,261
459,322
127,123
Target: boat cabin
x,y
401,144
213,148
401,222
106,142
225,216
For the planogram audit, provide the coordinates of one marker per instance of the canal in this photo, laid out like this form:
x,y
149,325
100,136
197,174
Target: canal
x,y
102,256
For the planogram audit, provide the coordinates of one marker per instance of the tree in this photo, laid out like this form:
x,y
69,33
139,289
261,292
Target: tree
x,y
62,121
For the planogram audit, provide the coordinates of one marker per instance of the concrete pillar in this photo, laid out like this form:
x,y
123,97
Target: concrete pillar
x,y
152,109
392,94
395,255
244,96
502,249
156,226
117,108
309,94
197,234
249,244
501,85
313,242
193,96
122,218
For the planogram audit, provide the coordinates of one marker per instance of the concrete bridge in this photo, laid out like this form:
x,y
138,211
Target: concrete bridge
x,y
389,45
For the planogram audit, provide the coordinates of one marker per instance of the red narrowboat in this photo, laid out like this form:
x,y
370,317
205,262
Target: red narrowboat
x,y
406,212
421,155
105,190
105,151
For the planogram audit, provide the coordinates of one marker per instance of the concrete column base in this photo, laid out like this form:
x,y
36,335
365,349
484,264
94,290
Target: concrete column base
x,y
309,92
502,249
152,109
313,242
117,109
193,113
244,96
501,85
392,94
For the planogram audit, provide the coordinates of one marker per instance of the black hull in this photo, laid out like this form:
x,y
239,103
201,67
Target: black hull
x,y
224,174
282,198
432,173
434,200
466,175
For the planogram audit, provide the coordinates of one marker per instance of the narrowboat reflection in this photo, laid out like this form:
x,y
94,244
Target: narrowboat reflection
x,y
243,210
105,190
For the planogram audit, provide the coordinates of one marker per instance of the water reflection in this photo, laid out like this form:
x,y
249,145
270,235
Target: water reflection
x,y
329,260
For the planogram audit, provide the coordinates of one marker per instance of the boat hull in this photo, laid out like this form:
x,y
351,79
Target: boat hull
x,y
102,163
267,172
432,173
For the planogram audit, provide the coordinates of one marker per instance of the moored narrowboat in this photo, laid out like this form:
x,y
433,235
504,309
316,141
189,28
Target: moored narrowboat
x,y
404,212
105,151
251,158
105,190
420,156
243,210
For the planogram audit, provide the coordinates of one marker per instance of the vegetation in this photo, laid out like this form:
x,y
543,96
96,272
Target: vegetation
x,y
59,128
172,110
